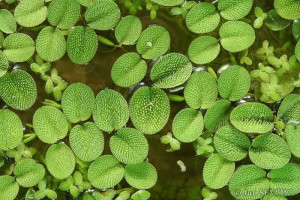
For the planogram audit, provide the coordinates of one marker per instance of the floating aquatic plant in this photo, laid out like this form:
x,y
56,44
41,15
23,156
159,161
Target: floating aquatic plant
x,y
221,78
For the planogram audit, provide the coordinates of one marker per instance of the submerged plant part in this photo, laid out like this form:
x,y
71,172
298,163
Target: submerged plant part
x,y
102,99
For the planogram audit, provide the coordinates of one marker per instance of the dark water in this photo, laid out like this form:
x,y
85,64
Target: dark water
x,y
172,183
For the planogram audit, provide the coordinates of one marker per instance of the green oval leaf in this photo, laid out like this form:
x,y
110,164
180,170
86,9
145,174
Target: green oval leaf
x,y
18,90
30,13
141,176
217,116
236,36
288,9
4,64
105,172
252,118
28,173
204,49
231,143
128,30
234,9
201,90
297,50
153,42
18,47
234,83
11,129
78,102
129,146
289,110
9,188
275,22
149,109
168,2
63,13
187,125
171,70
128,70
269,151
7,22
60,161
292,133
296,29
286,180
103,15
50,124
249,182
217,171
82,44
110,111
50,44
87,141
202,18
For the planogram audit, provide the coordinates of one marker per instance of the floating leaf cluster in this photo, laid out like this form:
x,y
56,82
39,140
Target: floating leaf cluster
x,y
229,93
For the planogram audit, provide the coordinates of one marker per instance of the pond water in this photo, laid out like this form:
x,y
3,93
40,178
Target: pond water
x,y
172,183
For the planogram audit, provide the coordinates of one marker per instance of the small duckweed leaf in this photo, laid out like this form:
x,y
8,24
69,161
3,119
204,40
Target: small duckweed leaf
x,y
18,47
4,64
217,171
204,49
129,146
234,9
78,102
249,178
141,176
168,2
141,195
296,29
110,111
234,83
275,22
128,70
105,172
60,161
272,197
289,110
149,109
202,18
187,125
153,42
292,133
103,15
269,151
82,44
28,173
231,143
297,50
30,13
218,115
288,9
286,180
252,118
171,70
87,141
87,3
236,36
128,30
18,90
7,22
50,124
50,44
201,90
9,188
63,13
11,130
